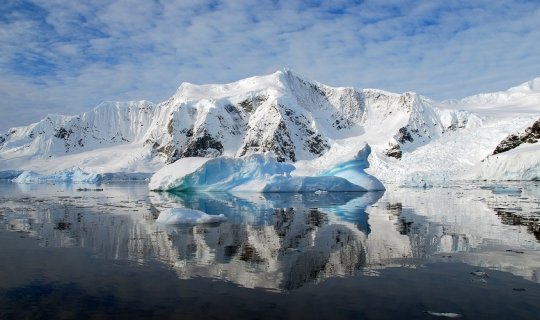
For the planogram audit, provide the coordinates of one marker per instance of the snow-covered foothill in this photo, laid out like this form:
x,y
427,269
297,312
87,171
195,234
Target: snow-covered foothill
x,y
187,216
521,163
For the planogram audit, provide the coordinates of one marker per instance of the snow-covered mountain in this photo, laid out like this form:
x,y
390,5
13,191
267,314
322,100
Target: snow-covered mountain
x,y
314,125
108,124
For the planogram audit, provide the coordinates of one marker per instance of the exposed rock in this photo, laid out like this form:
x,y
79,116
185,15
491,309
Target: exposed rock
x,y
203,145
403,135
62,133
394,151
530,135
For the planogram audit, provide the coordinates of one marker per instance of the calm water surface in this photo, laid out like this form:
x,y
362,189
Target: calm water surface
x,y
471,251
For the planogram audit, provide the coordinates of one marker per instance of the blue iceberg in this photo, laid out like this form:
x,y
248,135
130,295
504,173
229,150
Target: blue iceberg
x,y
262,173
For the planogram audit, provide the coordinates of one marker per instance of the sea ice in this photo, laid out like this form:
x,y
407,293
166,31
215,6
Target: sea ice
x,y
506,190
187,216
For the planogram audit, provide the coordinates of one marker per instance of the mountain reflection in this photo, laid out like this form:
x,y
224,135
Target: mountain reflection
x,y
278,241
283,241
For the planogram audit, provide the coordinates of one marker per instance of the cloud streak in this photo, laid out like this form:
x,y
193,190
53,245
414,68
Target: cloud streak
x,y
67,56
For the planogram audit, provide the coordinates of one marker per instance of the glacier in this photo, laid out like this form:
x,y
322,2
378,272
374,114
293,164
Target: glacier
x,y
262,173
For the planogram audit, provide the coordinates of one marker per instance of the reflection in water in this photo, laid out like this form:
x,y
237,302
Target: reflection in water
x,y
282,241
278,241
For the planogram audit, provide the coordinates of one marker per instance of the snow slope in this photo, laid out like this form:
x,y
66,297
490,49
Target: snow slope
x,y
462,154
414,139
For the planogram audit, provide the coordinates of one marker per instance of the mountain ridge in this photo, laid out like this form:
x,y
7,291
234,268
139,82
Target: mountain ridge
x,y
296,119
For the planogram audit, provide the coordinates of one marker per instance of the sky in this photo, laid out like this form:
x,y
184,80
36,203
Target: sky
x,y
65,57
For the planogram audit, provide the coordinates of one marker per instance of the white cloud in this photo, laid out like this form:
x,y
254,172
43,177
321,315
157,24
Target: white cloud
x,y
69,55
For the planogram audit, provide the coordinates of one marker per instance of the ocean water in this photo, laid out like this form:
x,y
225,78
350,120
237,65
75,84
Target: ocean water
x,y
91,252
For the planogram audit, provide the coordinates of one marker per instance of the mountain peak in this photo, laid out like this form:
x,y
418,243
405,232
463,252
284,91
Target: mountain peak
x,y
278,81
532,85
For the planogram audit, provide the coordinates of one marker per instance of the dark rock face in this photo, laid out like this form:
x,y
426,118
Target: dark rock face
x,y
530,135
62,133
251,104
394,151
281,144
202,145
313,141
404,135
169,151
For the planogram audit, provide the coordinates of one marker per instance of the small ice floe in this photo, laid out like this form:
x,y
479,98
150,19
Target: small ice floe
x,y
188,216
481,280
89,189
515,251
506,190
444,314
480,274
319,192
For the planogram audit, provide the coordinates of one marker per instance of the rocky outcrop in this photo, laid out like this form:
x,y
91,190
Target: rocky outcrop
x,y
529,135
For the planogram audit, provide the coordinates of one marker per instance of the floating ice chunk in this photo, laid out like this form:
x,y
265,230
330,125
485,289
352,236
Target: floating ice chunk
x,y
260,173
77,176
444,314
125,176
506,190
188,216
219,174
353,171
9,174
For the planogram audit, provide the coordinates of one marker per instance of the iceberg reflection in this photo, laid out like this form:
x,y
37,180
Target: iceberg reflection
x,y
283,241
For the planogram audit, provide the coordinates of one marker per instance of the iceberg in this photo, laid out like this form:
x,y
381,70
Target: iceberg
x,y
262,173
70,176
10,174
76,175
353,171
188,216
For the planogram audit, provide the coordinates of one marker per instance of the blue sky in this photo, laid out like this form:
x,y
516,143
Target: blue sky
x,y
59,56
